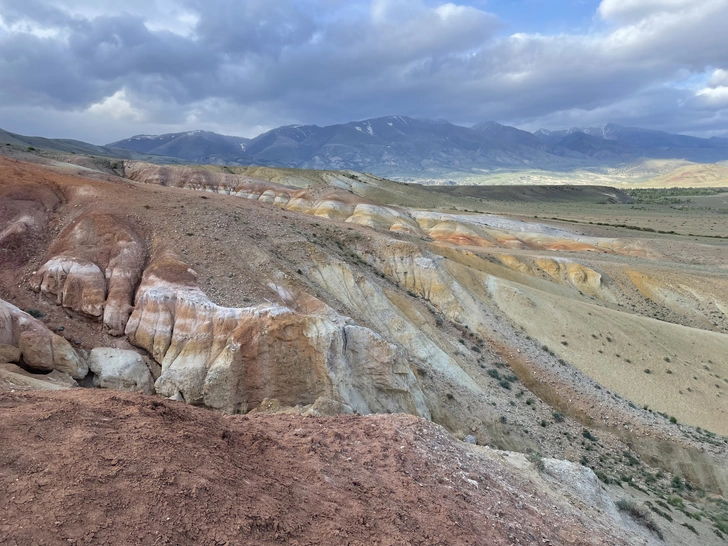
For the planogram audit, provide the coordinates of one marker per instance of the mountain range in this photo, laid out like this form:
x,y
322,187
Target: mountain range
x,y
406,148
403,146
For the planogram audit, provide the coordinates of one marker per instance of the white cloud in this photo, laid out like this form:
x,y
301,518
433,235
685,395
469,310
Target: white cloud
x,y
116,107
630,11
719,77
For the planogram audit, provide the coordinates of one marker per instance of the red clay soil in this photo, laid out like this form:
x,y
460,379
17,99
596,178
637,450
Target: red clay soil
x,y
102,467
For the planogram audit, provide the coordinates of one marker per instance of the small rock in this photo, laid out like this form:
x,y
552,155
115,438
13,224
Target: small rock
x,y
470,439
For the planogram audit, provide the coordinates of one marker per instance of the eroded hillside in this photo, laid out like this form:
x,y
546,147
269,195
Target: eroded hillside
x,y
326,295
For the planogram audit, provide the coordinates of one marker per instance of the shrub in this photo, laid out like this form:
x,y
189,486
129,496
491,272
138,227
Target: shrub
x,y
494,374
674,500
536,458
588,435
558,417
640,515
36,313
505,384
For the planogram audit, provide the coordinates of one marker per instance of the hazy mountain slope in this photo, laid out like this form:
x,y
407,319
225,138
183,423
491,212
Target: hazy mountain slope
x,y
395,145
64,145
415,149
613,142
76,148
193,146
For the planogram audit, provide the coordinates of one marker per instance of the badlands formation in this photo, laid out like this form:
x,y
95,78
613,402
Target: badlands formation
x,y
310,301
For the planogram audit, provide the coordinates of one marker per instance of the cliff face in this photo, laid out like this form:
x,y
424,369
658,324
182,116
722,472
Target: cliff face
x,y
233,359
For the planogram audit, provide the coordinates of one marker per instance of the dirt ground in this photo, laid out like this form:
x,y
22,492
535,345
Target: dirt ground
x,y
98,467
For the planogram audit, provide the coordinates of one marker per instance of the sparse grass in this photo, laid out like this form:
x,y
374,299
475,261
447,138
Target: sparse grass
x,y
640,515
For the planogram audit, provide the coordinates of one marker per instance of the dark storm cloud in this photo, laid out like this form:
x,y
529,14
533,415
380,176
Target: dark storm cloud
x,y
238,66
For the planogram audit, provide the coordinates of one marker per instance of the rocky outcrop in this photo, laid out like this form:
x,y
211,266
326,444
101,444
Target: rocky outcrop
x,y
582,483
94,267
120,370
8,353
40,348
232,359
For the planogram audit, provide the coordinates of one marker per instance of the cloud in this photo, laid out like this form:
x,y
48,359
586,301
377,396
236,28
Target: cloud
x,y
638,11
238,66
116,107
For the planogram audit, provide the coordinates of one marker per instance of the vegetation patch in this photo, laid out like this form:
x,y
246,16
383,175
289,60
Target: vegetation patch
x,y
640,515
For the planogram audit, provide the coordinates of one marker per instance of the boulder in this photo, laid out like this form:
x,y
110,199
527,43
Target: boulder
x,y
44,351
120,370
8,353
13,377
16,377
40,348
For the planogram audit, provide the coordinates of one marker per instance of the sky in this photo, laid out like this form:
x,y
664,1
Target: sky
x,y
103,70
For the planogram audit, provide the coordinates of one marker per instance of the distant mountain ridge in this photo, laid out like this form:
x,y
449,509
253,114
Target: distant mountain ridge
x,y
194,146
403,147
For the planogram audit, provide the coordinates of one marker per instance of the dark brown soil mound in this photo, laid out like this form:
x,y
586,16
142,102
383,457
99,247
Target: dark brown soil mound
x,y
98,467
